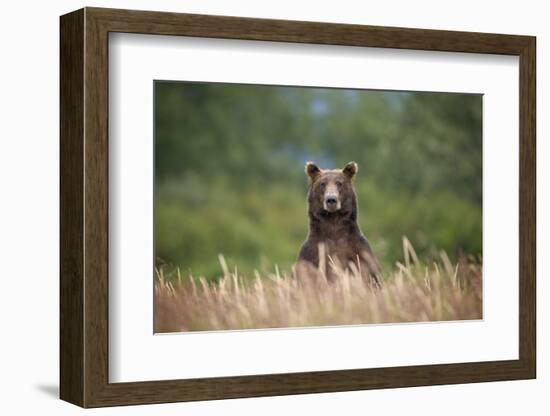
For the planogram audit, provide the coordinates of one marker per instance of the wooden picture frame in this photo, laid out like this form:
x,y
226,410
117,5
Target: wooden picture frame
x,y
84,207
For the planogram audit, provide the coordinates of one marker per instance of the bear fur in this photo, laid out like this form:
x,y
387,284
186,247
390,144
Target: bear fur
x,y
333,229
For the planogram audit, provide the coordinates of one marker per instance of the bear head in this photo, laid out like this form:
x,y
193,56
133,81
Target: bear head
x,y
331,190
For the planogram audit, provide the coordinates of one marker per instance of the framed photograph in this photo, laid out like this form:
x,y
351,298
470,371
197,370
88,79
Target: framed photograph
x,y
254,207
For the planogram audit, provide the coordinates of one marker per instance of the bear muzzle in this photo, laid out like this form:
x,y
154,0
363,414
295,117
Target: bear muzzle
x,y
331,203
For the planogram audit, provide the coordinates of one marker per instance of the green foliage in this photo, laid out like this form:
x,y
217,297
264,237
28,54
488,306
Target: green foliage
x,y
229,170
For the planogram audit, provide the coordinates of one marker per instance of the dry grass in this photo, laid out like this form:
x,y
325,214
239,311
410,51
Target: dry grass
x,y
412,292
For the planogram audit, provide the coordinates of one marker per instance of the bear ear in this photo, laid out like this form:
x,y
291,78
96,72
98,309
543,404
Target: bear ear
x,y
350,169
312,170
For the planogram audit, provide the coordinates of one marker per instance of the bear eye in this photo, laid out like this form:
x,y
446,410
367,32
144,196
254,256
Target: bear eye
x,y
322,185
339,184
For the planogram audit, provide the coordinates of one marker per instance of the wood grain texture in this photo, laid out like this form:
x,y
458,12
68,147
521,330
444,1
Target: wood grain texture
x,y
84,207
71,203
96,219
162,23
527,208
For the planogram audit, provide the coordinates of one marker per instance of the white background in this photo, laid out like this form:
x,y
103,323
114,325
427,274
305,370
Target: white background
x,y
136,355
29,220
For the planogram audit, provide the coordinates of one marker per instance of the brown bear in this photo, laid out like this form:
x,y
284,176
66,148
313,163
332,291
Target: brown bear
x,y
333,227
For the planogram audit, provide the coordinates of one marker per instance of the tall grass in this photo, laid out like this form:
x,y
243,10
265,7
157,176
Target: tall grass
x,y
413,291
